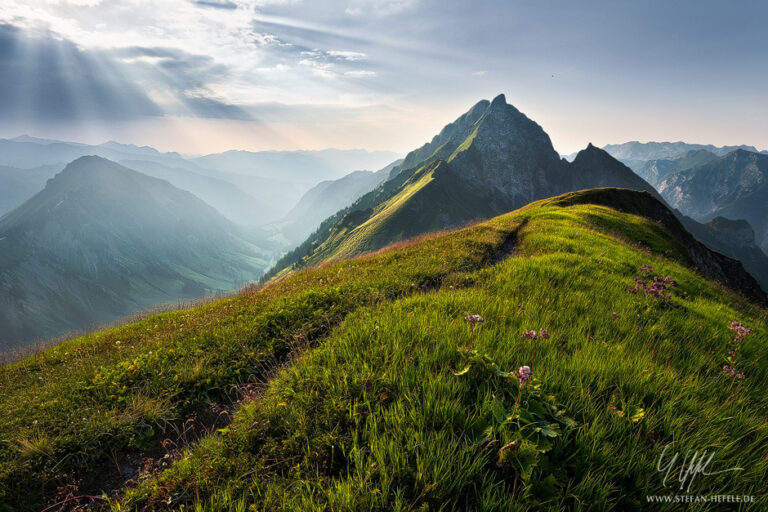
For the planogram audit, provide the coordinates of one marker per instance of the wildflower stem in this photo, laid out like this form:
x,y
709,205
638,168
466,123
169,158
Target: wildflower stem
x,y
517,401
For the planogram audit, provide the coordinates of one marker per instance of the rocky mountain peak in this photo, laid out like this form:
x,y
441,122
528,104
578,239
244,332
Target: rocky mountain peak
x,y
499,101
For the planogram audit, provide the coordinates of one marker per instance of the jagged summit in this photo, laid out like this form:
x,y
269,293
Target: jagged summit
x,y
499,100
490,160
593,153
492,128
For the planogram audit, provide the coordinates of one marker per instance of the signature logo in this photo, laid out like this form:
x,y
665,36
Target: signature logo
x,y
687,467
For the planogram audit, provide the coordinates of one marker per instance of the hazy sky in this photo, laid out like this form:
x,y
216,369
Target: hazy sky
x,y
210,75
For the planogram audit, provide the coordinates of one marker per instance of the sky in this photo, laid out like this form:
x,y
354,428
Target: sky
x,y
202,76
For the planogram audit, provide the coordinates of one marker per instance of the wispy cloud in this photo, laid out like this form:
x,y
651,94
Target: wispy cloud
x,y
216,5
379,8
346,55
360,73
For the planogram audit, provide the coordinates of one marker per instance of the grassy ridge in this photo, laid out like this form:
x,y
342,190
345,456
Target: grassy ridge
x,y
74,412
375,417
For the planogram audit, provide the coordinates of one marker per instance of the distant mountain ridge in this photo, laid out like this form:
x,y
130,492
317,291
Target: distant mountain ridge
x,y
635,150
635,154
102,241
305,166
491,160
734,186
269,182
18,185
654,171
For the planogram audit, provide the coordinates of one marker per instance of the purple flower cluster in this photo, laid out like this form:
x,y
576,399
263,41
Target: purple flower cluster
x,y
654,286
524,374
728,369
532,335
474,319
741,332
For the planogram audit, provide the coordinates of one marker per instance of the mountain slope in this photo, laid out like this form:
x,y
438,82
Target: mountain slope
x,y
655,171
18,185
734,186
490,160
391,401
102,241
323,200
735,239
226,197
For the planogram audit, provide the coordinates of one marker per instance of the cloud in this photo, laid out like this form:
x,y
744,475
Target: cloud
x,y
188,77
362,73
216,5
335,63
347,55
53,79
379,8
202,106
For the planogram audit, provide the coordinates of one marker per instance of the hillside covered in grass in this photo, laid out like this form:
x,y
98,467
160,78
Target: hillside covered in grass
x,y
362,385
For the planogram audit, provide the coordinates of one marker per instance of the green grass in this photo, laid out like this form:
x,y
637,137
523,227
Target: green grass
x,y
371,415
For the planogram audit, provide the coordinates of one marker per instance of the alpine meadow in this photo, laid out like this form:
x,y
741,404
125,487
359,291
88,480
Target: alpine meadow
x,y
243,269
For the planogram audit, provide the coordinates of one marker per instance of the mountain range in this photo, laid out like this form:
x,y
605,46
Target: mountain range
x,y
269,182
654,171
493,159
635,153
540,357
297,166
734,186
490,160
101,241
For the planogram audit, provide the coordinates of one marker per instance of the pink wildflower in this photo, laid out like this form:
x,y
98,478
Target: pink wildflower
x,y
524,374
